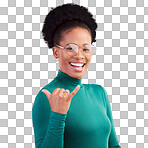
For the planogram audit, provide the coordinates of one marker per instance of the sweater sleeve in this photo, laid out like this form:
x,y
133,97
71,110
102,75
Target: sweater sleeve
x,y
113,141
48,125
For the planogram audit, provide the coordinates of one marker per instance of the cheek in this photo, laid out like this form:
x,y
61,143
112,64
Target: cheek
x,y
64,57
65,60
89,59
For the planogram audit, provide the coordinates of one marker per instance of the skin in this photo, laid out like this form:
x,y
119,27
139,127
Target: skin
x,y
79,36
60,100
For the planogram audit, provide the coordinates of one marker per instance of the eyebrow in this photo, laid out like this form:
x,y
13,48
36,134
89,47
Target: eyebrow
x,y
77,44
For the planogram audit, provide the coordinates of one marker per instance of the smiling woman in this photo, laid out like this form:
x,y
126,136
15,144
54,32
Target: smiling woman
x,y
67,113
72,49
78,36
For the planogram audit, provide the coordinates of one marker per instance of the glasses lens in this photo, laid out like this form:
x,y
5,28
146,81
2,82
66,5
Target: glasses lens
x,y
88,49
71,49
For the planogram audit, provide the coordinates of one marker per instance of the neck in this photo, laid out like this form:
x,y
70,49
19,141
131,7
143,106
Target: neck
x,y
67,79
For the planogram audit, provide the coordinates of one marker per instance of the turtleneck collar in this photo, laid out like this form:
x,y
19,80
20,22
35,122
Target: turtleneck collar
x,y
68,80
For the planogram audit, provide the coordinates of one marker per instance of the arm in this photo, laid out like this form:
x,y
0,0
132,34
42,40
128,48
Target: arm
x,y
48,125
113,141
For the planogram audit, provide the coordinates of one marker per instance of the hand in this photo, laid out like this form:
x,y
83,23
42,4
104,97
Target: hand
x,y
60,99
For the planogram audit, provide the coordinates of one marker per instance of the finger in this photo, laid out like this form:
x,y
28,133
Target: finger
x,y
66,91
47,93
74,92
61,90
56,91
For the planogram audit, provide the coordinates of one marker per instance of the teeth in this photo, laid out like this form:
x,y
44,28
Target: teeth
x,y
76,64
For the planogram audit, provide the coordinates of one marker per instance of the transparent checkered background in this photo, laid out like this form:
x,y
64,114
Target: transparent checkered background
x,y
120,65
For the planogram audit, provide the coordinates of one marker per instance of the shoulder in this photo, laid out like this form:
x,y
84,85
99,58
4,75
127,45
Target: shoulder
x,y
100,88
97,88
50,87
94,86
41,102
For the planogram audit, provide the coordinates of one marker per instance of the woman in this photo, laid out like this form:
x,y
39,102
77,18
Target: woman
x,y
67,113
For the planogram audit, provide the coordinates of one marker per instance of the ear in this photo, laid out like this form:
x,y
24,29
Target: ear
x,y
55,52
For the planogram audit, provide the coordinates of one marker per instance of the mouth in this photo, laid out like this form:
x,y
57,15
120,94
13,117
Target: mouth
x,y
77,67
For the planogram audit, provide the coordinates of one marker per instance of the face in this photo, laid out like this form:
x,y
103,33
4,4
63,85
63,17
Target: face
x,y
78,36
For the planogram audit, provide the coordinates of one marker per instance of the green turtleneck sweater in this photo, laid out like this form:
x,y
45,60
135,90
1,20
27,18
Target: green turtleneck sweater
x,y
87,124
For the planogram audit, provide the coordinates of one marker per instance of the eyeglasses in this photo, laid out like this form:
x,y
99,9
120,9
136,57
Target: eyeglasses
x,y
72,49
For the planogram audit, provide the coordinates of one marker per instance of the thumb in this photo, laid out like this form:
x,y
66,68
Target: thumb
x,y
47,93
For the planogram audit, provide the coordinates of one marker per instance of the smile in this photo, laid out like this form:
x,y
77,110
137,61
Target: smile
x,y
77,64
77,67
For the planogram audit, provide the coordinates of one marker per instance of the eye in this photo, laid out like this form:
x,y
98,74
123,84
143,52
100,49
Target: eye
x,y
68,48
85,49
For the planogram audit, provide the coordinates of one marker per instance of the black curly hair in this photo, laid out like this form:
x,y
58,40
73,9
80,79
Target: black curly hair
x,y
64,18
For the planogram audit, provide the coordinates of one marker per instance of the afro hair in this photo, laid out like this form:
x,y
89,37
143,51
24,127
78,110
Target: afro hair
x,y
63,14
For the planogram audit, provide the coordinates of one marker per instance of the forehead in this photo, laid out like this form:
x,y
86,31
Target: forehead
x,y
73,44
77,35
